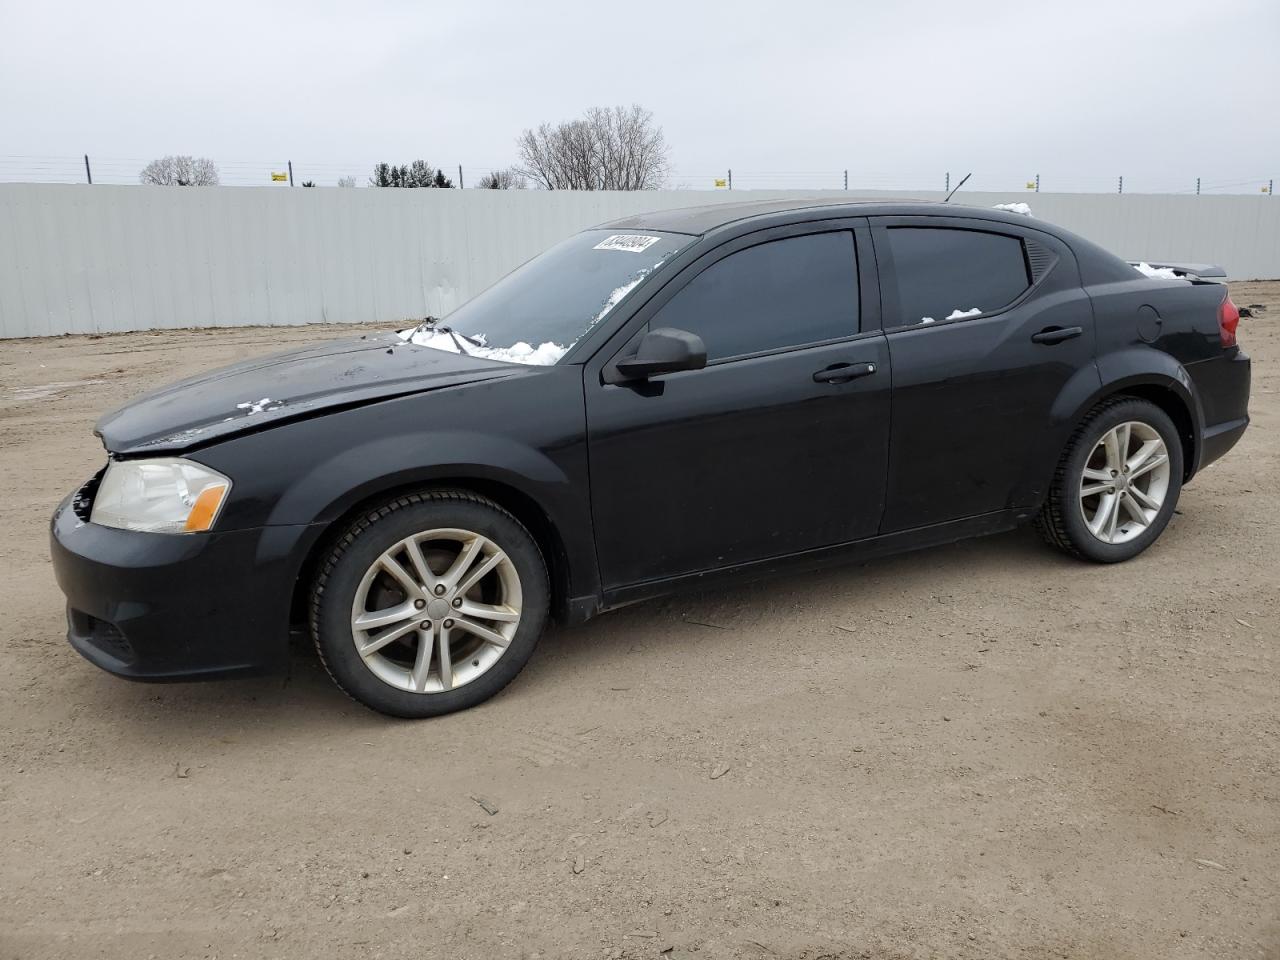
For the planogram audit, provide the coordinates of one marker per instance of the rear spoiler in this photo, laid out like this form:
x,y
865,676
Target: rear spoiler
x,y
1208,272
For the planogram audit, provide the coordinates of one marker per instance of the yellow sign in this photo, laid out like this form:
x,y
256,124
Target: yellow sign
x,y
721,183
279,177
1031,184
1266,189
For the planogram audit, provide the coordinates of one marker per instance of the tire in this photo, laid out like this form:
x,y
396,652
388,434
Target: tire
x,y
359,583
1065,519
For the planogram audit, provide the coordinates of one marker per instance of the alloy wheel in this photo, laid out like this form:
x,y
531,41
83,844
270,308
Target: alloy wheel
x,y
436,610
1124,482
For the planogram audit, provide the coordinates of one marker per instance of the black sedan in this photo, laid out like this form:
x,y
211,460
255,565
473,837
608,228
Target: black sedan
x,y
670,398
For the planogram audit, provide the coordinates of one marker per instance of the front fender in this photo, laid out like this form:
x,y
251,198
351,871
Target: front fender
x,y
331,486
525,435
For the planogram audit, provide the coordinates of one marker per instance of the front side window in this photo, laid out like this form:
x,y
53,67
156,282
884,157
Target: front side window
x,y
948,274
784,293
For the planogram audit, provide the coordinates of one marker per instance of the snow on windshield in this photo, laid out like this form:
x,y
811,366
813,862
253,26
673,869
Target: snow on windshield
x,y
618,293
543,355
536,314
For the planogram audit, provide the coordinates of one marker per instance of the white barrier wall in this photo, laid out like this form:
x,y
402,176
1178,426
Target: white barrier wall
x,y
97,259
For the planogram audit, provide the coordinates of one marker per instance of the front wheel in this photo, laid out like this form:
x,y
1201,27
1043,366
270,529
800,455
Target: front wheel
x,y
1117,483
429,603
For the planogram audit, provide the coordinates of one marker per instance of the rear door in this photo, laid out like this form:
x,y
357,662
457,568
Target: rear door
x,y
985,323
779,445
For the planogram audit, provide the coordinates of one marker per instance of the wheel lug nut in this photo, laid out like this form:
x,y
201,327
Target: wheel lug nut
x,y
439,589
457,601
448,624
426,624
419,604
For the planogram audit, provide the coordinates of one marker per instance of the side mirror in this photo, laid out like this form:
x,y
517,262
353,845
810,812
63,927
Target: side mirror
x,y
665,350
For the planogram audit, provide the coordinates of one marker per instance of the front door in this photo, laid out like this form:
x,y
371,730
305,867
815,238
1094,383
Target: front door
x,y
778,446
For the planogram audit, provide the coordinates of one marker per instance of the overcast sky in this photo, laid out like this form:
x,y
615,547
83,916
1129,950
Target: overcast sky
x,y
786,93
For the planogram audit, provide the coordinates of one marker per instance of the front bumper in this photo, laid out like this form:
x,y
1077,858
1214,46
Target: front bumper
x,y
152,606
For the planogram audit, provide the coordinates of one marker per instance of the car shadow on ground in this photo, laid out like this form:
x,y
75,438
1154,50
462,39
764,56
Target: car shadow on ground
x,y
831,595
306,697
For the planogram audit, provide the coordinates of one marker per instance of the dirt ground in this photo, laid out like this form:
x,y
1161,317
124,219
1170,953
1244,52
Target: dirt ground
x,y
980,751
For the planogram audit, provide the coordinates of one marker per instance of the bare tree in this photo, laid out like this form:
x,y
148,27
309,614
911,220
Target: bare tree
x,y
175,171
346,181
508,179
610,148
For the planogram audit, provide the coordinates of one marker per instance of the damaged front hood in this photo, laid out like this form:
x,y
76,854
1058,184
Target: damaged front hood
x,y
287,386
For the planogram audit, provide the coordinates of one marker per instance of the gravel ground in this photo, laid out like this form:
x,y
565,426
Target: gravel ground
x,y
979,751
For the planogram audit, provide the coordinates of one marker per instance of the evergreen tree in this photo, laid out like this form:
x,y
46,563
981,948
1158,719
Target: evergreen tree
x,y
419,174
416,174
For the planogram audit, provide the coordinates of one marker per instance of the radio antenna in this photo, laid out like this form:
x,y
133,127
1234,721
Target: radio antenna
x,y
958,186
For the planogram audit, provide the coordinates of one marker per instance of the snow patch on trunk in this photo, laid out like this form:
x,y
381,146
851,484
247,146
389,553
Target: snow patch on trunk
x,y
1158,273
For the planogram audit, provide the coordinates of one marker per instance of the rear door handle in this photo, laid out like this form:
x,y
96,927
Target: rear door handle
x,y
844,372
1056,334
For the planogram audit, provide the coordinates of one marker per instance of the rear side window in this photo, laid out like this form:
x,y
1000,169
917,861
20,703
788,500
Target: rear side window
x,y
946,274
784,293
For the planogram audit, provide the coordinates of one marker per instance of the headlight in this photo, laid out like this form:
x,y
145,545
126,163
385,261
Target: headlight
x,y
165,495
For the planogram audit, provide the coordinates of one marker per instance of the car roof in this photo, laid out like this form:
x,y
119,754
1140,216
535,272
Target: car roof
x,y
699,220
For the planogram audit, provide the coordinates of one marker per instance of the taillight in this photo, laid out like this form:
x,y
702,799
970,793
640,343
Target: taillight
x,y
1228,320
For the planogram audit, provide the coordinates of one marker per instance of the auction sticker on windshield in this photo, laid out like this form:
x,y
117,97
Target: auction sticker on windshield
x,y
629,242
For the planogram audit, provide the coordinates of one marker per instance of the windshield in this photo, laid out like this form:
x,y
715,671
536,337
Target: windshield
x,y
538,311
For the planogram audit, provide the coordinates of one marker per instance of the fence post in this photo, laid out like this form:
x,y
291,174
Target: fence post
x,y
731,178
846,179
1037,183
947,186
1121,188
1197,186
290,162
87,172
1271,187
460,184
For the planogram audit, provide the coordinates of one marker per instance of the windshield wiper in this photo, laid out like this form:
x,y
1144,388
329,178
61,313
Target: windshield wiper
x,y
459,337
424,324
433,324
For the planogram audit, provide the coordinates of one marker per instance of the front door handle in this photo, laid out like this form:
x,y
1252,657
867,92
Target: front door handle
x,y
1056,334
844,372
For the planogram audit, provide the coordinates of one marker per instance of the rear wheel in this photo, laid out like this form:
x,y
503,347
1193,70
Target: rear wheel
x,y
1117,483
429,603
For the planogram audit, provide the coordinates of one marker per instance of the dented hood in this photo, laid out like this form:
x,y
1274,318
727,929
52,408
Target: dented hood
x,y
287,386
